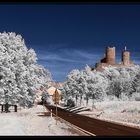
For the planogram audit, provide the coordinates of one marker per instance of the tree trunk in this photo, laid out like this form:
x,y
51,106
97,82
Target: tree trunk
x,y
93,97
80,100
76,99
86,101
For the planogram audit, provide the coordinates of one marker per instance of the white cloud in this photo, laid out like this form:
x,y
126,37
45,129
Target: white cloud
x,y
55,57
75,56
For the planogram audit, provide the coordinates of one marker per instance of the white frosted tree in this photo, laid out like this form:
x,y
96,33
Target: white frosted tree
x,y
87,84
71,89
120,81
20,75
113,83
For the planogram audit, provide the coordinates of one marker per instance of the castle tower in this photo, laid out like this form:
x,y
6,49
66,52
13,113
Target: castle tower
x,y
110,55
126,57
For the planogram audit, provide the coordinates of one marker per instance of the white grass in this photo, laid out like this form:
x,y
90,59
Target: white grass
x,y
124,112
27,122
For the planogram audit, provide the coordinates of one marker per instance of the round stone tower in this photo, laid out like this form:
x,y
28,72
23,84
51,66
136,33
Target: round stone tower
x,y
110,55
126,58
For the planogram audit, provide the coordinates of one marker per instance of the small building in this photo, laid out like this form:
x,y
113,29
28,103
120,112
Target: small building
x,y
51,91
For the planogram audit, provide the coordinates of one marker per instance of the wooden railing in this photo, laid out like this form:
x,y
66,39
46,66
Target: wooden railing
x,y
5,107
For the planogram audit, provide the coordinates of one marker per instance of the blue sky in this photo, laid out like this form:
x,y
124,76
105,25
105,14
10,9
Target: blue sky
x,y
67,37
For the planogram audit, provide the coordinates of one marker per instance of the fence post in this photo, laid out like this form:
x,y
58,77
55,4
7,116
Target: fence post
x,y
51,113
56,113
15,108
2,108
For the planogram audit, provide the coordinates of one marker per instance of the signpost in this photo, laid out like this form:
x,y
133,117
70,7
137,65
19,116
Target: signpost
x,y
56,99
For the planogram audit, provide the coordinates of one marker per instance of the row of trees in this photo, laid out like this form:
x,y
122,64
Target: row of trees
x,y
20,75
112,83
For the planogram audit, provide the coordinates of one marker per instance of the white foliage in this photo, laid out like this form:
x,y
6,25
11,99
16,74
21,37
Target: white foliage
x,y
113,83
20,75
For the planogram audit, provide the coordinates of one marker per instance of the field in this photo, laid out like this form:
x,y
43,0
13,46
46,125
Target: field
x,y
125,112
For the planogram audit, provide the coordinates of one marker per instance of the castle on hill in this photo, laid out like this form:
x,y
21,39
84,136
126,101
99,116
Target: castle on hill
x,y
110,59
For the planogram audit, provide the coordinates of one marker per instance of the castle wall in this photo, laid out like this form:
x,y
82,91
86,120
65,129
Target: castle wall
x,y
100,66
126,58
103,60
109,59
110,55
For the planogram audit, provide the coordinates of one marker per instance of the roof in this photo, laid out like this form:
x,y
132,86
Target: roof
x,y
52,89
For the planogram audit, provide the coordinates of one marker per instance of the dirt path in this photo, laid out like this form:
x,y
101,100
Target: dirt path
x,y
97,127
